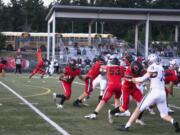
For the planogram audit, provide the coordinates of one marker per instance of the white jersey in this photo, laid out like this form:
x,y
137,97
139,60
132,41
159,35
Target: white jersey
x,y
157,82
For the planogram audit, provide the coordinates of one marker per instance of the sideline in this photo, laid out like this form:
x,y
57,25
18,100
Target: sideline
x,y
47,119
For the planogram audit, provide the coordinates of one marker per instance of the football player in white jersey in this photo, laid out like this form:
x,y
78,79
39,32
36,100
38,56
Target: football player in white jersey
x,y
156,95
100,80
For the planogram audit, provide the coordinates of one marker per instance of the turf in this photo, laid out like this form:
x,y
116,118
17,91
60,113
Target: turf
x,y
19,119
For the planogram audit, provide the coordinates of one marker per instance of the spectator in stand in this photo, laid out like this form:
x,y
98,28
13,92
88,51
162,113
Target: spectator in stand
x,y
56,66
87,61
79,61
84,51
78,51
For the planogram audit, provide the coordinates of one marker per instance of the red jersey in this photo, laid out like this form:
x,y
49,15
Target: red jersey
x,y
115,74
72,72
95,70
129,74
2,66
170,76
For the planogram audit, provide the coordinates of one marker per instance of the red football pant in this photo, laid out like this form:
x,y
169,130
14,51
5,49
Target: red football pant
x,y
67,89
88,86
126,93
110,90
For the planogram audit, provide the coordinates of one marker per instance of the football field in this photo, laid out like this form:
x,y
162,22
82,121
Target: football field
x,y
27,108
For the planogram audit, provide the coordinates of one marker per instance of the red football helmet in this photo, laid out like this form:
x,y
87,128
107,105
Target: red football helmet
x,y
136,68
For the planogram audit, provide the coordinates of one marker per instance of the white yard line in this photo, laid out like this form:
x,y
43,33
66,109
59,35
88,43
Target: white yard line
x,y
47,119
176,107
31,103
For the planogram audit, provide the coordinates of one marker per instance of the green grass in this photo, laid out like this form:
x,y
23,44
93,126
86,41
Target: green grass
x,y
18,119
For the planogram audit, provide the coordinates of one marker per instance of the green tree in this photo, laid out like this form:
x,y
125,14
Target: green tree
x,y
64,2
34,14
2,41
80,2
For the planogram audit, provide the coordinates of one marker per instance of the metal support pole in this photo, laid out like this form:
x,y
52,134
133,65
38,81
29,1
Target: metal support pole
x,y
136,38
54,37
96,27
48,41
102,27
90,28
176,33
72,27
147,37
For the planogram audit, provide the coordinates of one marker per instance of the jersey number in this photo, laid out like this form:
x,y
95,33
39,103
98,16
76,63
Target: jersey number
x,y
115,71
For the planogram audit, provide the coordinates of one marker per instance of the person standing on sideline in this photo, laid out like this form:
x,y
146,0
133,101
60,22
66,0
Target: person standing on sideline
x,y
18,61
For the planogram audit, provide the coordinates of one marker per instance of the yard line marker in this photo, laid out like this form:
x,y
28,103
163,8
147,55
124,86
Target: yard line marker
x,y
47,119
31,103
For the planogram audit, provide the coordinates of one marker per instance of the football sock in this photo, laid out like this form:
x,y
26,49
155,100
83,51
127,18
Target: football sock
x,y
63,98
100,97
59,96
116,110
140,115
95,112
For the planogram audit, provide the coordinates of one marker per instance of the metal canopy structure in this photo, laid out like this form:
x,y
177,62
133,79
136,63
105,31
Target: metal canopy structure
x,y
135,15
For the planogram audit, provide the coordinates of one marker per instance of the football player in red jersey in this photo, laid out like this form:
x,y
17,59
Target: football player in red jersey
x,y
66,79
171,79
40,66
114,74
129,89
88,79
2,67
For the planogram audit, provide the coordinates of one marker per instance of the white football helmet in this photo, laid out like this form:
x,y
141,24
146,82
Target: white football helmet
x,y
153,58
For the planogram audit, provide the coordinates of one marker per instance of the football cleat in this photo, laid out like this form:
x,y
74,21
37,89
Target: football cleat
x,y
176,126
127,113
90,116
140,122
110,117
59,106
122,128
76,104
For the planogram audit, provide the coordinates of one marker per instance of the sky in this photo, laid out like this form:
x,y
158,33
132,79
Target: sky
x,y
46,2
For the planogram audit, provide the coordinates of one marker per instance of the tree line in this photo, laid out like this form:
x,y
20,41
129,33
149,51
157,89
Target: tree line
x,y
29,16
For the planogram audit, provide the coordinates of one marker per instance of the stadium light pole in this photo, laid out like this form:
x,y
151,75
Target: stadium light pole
x,y
176,33
147,36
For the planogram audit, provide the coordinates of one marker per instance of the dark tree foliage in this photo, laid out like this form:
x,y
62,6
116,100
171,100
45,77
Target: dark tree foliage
x,y
2,41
